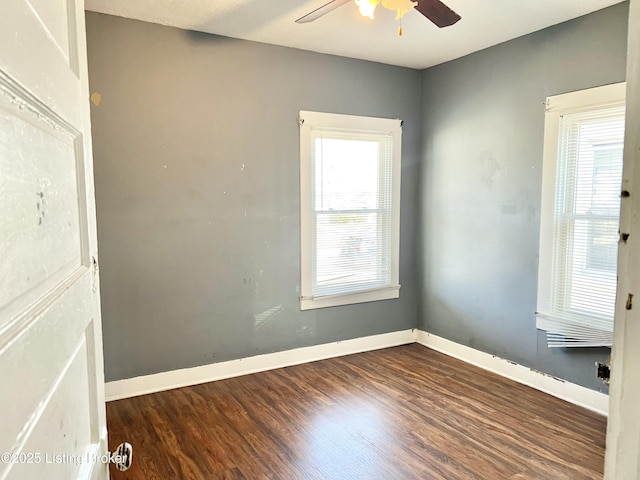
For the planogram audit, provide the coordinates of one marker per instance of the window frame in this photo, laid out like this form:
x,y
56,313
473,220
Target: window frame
x,y
602,97
309,121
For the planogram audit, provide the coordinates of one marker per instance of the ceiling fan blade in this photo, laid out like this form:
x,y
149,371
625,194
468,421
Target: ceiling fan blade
x,y
323,10
437,12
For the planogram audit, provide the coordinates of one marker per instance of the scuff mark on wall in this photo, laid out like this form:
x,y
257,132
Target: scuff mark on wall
x,y
491,168
509,209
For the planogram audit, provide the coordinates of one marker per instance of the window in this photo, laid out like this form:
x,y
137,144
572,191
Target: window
x,y
350,209
582,177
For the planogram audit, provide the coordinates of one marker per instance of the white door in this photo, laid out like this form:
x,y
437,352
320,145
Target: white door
x,y
622,461
52,423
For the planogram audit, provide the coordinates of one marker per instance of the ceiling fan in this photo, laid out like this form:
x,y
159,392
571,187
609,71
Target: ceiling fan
x,y
434,10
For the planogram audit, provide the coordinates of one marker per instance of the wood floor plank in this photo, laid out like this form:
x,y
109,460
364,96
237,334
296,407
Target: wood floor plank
x,y
400,413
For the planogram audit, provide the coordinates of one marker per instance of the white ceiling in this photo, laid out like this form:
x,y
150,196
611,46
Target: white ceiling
x,y
344,32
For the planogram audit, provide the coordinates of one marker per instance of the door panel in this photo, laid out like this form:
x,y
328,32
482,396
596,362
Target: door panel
x,y
51,365
54,17
39,169
66,402
33,365
31,58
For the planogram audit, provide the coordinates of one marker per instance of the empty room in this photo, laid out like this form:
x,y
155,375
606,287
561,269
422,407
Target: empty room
x,y
248,239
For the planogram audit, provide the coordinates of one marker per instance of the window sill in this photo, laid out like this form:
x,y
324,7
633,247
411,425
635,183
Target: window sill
x,y
310,303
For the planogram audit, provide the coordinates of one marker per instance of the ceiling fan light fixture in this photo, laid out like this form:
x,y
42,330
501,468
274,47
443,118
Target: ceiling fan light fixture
x,y
434,10
401,7
367,7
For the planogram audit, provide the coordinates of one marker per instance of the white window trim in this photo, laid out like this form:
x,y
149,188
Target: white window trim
x,y
308,120
556,107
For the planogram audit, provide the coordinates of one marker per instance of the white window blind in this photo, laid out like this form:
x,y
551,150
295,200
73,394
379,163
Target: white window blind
x,y
580,299
350,209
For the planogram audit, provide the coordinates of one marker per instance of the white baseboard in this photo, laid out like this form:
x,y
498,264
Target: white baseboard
x,y
576,394
132,387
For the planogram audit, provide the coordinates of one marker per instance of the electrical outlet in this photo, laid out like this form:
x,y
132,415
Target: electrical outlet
x,y
603,371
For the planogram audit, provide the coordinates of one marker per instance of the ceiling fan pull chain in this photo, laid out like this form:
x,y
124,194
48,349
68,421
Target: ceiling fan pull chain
x,y
400,28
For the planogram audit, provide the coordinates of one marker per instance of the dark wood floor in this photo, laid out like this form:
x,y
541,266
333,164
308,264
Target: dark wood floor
x,y
399,413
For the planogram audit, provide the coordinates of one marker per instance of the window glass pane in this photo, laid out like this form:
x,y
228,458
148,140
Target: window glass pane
x,y
351,252
590,291
602,253
352,210
587,206
607,178
347,174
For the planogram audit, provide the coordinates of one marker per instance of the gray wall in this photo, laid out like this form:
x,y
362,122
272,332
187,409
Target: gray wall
x,y
480,186
196,164
196,167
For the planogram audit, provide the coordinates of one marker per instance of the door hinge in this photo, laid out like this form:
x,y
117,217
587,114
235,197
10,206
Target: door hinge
x,y
629,304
